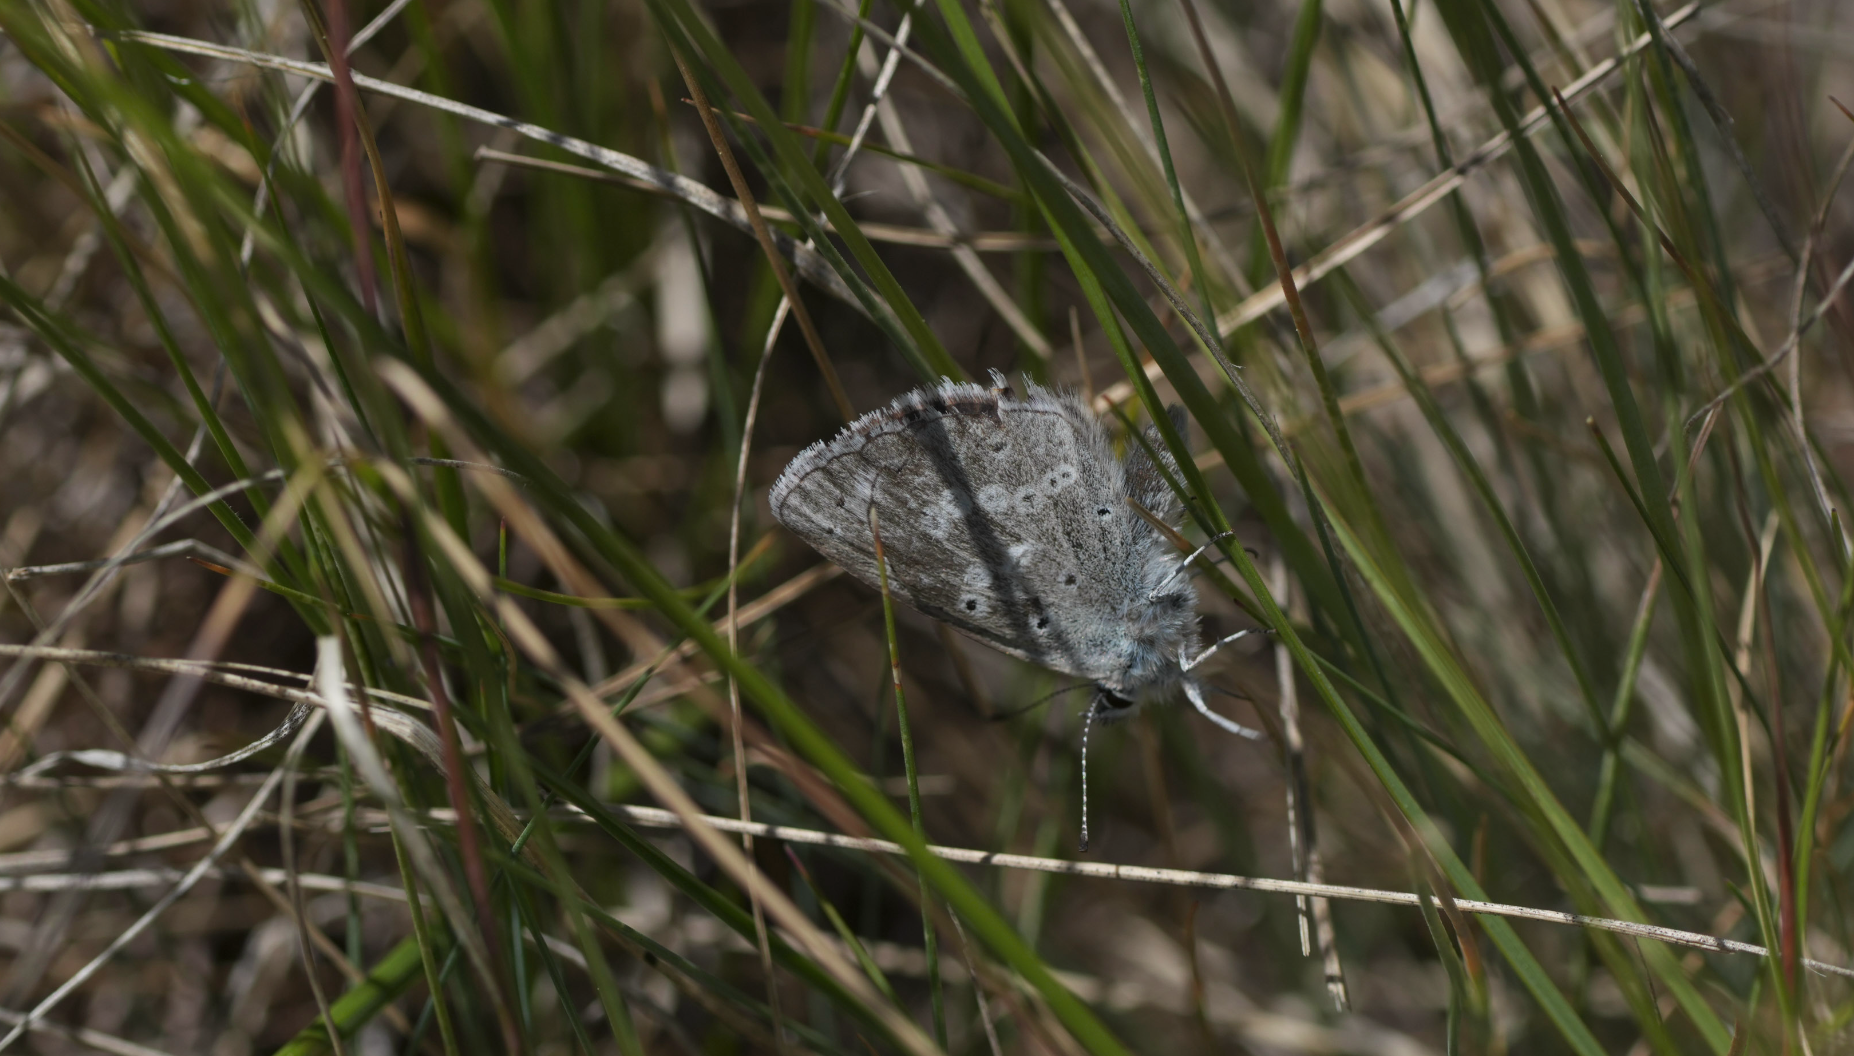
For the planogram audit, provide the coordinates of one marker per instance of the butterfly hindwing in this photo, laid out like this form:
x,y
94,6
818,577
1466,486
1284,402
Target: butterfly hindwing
x,y
1006,518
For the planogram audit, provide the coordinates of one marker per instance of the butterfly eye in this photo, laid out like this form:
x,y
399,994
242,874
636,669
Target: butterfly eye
x,y
971,604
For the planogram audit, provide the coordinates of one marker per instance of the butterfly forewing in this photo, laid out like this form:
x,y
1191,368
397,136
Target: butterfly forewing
x,y
1006,518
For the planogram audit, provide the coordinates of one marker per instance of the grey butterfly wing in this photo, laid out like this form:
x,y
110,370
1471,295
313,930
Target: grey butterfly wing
x,y
1005,518
1146,481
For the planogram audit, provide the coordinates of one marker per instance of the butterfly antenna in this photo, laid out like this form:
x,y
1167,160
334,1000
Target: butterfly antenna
x,y
1196,696
1087,724
1037,703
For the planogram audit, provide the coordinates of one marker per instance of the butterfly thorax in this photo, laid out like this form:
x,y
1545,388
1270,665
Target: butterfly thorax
x,y
1160,630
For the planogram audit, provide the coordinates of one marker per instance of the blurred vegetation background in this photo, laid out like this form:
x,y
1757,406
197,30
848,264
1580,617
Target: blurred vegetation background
x,y
389,395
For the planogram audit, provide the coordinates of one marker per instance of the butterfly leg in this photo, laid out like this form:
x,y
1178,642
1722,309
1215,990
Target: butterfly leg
x,y
1188,664
1186,563
1196,697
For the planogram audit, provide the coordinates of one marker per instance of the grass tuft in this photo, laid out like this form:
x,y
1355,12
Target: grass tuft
x,y
386,412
